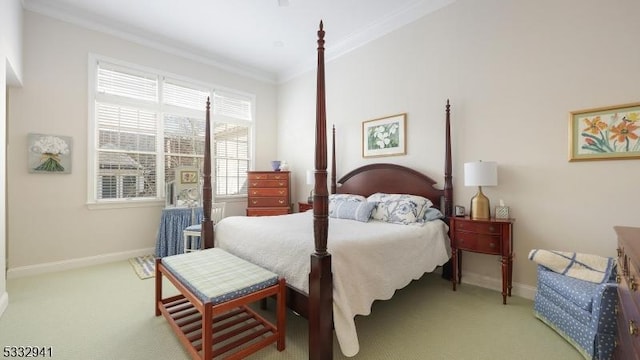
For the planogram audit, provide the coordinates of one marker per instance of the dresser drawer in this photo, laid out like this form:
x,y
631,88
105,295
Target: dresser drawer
x,y
478,227
268,202
488,244
628,320
268,183
267,211
268,192
268,176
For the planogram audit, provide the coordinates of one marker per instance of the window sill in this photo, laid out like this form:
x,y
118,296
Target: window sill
x,y
124,204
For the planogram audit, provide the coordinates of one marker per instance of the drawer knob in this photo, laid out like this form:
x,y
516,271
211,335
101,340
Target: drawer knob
x,y
281,192
491,228
281,183
281,201
460,241
255,193
492,245
633,328
254,202
254,184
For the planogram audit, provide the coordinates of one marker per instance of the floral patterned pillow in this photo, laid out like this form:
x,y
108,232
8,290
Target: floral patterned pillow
x,y
399,208
349,197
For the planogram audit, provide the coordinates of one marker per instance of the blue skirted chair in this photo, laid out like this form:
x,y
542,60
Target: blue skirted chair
x,y
581,311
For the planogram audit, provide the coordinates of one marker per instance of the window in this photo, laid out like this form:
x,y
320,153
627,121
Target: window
x,y
145,124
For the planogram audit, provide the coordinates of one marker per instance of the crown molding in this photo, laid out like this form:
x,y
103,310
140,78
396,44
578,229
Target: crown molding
x,y
384,26
143,38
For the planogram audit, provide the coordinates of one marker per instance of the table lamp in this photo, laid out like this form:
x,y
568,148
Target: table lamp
x,y
480,173
310,181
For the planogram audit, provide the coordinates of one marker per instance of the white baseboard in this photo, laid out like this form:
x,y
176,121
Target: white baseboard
x,y
525,291
4,302
37,269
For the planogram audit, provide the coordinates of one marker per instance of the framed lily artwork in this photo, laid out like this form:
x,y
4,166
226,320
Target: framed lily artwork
x,y
605,133
384,136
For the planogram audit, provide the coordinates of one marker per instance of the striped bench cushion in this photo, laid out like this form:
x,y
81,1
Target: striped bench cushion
x,y
215,276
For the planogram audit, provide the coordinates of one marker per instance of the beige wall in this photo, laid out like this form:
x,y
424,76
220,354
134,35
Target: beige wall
x,y
48,219
513,71
10,75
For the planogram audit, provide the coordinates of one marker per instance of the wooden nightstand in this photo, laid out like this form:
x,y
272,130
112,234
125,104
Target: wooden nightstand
x,y
492,236
302,206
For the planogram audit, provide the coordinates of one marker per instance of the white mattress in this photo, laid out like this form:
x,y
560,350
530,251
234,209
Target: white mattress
x,y
370,261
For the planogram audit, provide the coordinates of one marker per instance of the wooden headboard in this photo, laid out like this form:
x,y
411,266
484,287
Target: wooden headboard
x,y
390,179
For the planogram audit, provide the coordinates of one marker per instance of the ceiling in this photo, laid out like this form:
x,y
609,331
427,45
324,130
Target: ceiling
x,y
273,40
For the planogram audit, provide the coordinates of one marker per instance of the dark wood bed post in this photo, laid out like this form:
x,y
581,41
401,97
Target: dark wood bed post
x,y
320,277
207,225
333,159
448,184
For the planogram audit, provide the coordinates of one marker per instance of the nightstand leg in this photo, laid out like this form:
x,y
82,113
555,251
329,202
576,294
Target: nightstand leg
x,y
505,277
459,266
510,273
454,268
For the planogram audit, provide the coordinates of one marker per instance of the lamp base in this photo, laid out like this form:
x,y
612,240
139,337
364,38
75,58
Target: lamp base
x,y
480,209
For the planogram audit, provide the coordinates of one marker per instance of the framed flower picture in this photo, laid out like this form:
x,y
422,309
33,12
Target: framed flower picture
x,y
49,154
384,136
605,133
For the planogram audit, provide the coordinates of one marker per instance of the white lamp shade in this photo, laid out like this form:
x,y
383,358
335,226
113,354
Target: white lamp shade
x,y
481,173
310,178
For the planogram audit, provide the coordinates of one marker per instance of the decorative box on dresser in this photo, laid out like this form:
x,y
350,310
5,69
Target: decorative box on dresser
x,y
628,309
490,236
268,193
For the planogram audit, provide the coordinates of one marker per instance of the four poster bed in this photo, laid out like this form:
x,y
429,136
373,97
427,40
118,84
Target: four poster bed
x,y
372,259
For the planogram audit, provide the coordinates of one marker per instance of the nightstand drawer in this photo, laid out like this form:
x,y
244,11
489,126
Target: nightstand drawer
x,y
486,244
268,192
478,227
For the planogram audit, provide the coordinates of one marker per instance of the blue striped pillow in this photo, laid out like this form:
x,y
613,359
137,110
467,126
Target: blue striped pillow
x,y
351,210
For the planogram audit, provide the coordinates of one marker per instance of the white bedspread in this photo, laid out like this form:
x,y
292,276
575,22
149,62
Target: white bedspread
x,y
370,261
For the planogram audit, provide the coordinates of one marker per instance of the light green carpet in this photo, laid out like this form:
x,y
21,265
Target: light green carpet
x,y
106,312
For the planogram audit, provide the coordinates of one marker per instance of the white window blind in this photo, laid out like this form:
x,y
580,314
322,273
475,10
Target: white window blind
x,y
147,124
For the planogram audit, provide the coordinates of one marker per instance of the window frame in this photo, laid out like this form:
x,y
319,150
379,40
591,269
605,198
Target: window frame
x,y
92,151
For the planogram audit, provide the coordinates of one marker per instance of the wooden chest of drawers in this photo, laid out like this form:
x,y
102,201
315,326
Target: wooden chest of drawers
x,y
628,308
268,193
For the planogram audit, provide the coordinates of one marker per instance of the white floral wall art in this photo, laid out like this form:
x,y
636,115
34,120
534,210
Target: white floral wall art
x,y
49,154
384,136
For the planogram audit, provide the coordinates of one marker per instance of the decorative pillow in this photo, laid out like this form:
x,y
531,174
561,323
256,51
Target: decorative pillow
x,y
349,197
433,214
351,210
399,208
345,197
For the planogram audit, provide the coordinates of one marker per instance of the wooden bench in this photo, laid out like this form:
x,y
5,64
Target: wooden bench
x,y
211,316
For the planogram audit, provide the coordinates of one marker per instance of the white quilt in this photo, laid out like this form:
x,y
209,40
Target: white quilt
x,y
370,261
